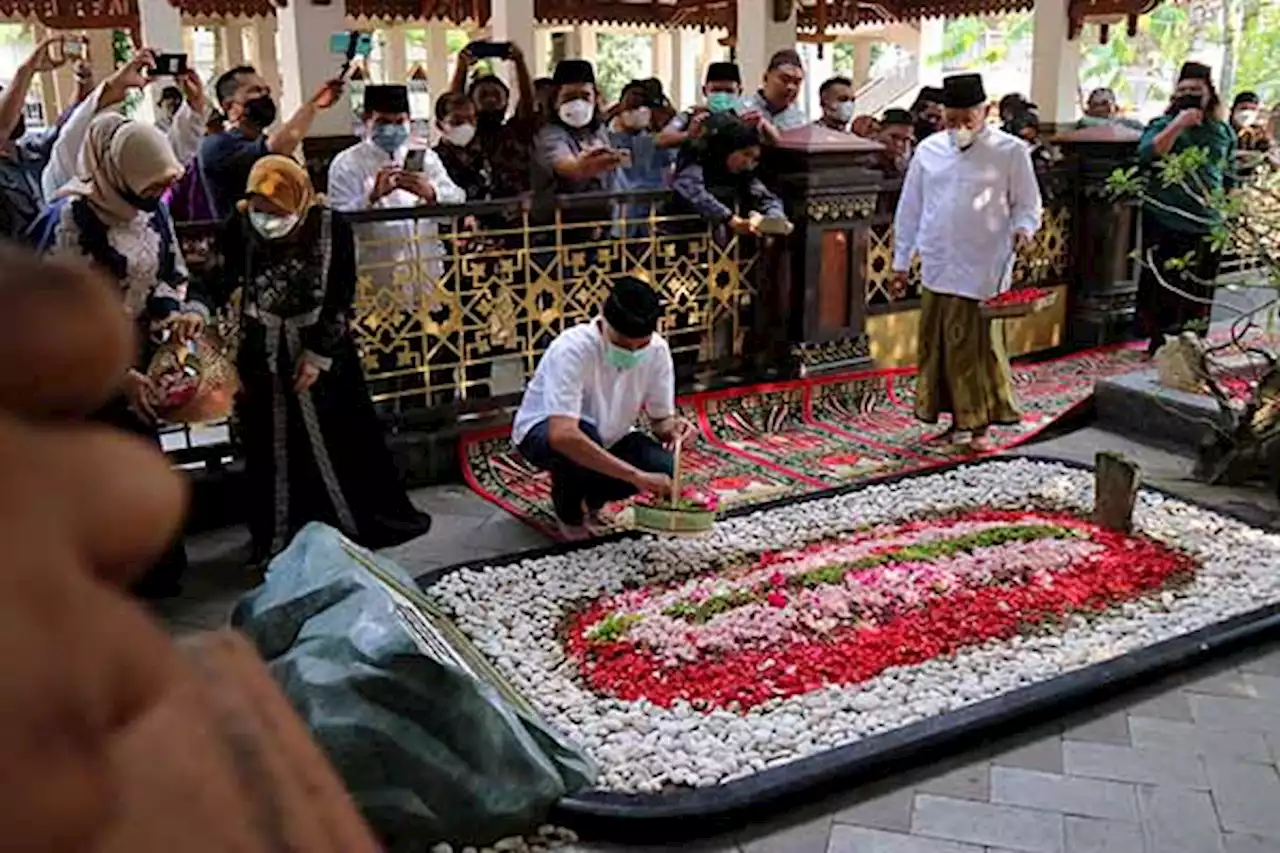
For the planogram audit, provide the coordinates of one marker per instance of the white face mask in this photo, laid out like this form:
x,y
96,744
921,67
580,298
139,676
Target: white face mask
x,y
963,138
577,113
1245,118
637,119
842,111
272,226
460,134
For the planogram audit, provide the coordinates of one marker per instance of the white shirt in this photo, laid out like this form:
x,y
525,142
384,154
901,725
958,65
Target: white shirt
x,y
574,380
401,252
185,132
959,210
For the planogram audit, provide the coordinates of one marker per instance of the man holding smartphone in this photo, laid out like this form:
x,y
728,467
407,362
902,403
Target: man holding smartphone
x,y
1180,224
504,143
226,158
387,171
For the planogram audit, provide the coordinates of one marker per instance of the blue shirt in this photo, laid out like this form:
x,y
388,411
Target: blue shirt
x,y
225,162
650,165
20,196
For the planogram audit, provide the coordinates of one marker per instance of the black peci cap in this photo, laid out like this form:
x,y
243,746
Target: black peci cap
x,y
633,308
574,71
963,91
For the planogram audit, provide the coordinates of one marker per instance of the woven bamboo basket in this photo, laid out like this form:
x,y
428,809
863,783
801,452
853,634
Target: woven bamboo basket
x,y
674,519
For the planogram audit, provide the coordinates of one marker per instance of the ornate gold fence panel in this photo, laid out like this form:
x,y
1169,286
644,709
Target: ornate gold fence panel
x,y
455,306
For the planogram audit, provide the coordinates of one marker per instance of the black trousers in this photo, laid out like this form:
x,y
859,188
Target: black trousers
x,y
572,485
1162,311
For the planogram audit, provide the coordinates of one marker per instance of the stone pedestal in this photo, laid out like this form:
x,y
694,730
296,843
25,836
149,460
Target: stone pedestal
x,y
1104,275
816,302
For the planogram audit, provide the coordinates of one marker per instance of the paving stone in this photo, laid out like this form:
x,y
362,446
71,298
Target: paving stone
x,y
1266,664
984,823
1126,764
1044,754
1238,842
1247,796
1111,728
1091,835
1226,712
1266,687
1072,795
1229,682
887,811
1176,820
1171,736
1172,705
859,839
806,836
970,782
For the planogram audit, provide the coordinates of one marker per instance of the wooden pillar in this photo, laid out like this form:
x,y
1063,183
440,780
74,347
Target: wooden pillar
x,y
1055,64
437,60
759,37
861,63
233,44
395,62
512,20
266,52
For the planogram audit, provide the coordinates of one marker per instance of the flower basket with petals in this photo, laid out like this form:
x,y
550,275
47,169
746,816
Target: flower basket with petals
x,y
689,511
1019,303
196,381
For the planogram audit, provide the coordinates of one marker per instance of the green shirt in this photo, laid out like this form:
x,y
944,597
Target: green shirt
x,y
1214,136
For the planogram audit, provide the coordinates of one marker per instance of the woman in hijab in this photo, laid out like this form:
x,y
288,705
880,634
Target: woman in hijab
x,y
716,178
111,216
314,450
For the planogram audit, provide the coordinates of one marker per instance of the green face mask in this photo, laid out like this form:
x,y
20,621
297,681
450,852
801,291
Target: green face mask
x,y
721,102
623,359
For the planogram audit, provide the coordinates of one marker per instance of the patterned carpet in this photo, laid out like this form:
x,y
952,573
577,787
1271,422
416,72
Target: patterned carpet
x,y
764,442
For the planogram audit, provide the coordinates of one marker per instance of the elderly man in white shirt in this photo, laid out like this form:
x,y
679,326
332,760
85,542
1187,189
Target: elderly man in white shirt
x,y
969,202
384,172
577,418
184,132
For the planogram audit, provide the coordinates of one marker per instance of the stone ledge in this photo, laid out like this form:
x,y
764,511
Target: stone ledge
x,y
1135,404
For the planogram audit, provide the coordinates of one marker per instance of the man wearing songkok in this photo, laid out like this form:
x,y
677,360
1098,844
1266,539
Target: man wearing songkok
x,y
379,174
721,93
577,419
969,201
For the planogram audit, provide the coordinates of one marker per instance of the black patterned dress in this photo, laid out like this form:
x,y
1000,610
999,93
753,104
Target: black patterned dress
x,y
318,455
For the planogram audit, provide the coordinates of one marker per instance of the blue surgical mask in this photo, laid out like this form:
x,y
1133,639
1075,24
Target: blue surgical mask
x,y
623,359
722,102
389,137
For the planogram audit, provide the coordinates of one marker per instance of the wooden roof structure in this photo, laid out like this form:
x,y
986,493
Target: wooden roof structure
x,y
812,15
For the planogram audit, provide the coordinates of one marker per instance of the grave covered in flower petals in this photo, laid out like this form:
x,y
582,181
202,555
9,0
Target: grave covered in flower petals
x,y
802,629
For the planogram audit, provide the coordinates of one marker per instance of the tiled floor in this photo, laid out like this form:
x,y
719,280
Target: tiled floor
x,y
1187,766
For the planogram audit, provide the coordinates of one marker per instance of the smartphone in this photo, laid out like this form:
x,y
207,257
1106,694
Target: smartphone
x,y
415,160
169,65
1188,102
351,44
490,49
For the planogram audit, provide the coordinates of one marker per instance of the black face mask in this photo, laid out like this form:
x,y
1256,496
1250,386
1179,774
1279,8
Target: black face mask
x,y
490,119
146,205
261,111
19,129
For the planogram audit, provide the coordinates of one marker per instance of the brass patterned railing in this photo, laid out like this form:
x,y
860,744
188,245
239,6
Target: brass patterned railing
x,y
455,305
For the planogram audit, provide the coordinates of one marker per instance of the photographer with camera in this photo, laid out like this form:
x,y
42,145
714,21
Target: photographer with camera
x,y
1178,224
504,143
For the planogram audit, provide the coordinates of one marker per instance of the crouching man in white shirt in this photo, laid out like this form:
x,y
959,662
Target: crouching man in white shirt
x,y
969,201
577,419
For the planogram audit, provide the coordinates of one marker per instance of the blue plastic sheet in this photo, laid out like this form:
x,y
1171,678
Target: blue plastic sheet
x,y
429,751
